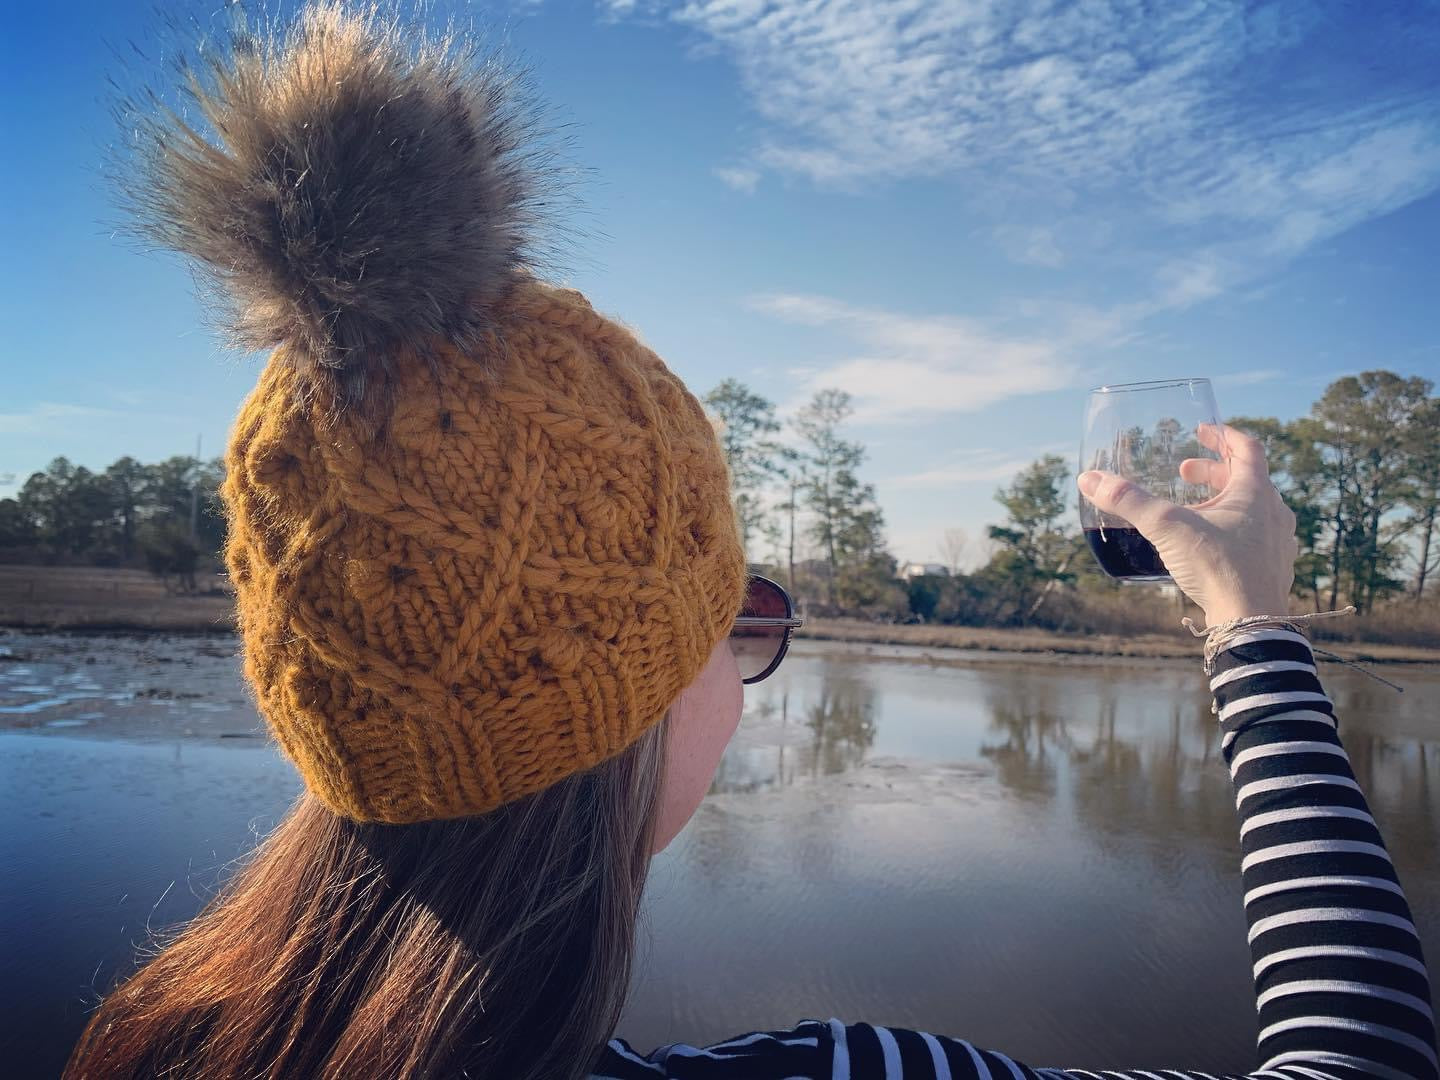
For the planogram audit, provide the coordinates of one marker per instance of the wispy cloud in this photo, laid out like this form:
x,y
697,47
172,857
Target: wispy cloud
x,y
911,367
981,467
739,178
43,415
1249,378
1032,245
1186,281
1190,113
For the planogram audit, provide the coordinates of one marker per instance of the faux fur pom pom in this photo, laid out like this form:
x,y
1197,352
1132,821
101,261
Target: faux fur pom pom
x,y
354,187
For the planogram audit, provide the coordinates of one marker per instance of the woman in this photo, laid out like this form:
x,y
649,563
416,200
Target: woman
x,y
488,580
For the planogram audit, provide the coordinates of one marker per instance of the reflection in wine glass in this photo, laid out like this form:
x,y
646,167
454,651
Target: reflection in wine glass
x,y
1143,431
1152,459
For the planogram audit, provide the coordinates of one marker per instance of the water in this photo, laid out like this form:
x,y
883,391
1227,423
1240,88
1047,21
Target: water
x,y
1034,853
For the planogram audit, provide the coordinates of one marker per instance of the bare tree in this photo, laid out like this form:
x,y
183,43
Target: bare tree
x,y
1422,494
748,422
846,520
955,550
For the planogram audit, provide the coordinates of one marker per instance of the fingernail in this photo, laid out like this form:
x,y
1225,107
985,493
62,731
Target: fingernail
x,y
1088,482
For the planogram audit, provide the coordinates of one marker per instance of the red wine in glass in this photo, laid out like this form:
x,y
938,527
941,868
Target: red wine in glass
x,y
1123,553
1143,431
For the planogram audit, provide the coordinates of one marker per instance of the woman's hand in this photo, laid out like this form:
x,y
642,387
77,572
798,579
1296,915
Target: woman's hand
x,y
1233,555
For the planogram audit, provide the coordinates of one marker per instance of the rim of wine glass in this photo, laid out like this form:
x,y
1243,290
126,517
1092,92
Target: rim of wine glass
x,y
1153,384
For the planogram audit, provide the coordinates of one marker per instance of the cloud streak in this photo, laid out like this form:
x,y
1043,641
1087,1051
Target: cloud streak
x,y
744,180
44,415
1032,245
1190,113
913,367
989,469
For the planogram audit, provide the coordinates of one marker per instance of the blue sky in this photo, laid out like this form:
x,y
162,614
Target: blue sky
x,y
963,213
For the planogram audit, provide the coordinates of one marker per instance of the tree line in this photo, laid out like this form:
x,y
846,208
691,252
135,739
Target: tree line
x,y
1362,473
1361,470
164,517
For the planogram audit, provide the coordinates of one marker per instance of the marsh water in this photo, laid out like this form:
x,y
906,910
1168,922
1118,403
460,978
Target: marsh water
x,y
1035,853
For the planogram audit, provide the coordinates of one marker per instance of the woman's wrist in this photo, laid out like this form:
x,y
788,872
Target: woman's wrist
x,y
1245,608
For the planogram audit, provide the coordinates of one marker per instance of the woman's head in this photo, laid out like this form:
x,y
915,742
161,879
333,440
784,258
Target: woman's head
x,y
480,536
482,546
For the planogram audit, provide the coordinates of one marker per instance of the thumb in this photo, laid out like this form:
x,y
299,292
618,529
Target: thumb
x,y
1116,495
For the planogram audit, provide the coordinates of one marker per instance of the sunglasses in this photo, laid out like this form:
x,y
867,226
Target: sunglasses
x,y
763,629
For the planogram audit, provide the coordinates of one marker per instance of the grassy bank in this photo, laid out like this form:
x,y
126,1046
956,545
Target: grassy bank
x,y
86,598
92,598
1178,644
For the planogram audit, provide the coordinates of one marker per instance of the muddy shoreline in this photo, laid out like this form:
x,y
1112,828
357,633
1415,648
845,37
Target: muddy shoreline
x,y
125,686
159,686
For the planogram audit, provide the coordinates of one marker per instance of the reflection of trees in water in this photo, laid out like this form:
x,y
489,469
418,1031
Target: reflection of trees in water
x,y
743,770
1133,752
841,721
1401,778
839,712
1166,780
1127,753
1032,721
1066,738
1399,771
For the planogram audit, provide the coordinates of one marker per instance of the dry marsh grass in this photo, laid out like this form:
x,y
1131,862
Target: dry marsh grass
x,y
92,598
89,598
1174,643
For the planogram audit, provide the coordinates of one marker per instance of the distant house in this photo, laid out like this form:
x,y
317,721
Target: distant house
x,y
923,569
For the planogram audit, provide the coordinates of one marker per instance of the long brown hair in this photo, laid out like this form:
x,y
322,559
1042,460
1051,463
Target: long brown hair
x,y
485,947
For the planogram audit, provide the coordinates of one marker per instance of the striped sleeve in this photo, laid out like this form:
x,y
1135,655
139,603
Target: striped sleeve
x,y
1340,982
803,1052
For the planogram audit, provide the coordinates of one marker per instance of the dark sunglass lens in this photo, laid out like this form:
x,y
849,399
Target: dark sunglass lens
x,y
764,598
755,647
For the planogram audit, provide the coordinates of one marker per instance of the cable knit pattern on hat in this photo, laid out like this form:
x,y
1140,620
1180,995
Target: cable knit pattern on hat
x,y
507,585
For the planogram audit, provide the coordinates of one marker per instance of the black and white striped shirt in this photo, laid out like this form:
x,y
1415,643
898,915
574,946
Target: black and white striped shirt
x,y
1340,983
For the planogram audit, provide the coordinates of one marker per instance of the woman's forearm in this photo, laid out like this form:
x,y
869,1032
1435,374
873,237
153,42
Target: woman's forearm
x,y
1339,976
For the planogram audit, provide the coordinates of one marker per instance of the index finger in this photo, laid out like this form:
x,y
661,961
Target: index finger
x,y
1246,454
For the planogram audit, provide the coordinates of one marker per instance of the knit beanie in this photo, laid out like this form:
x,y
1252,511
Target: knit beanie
x,y
480,536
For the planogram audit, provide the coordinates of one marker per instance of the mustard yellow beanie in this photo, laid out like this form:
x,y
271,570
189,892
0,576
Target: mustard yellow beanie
x,y
480,536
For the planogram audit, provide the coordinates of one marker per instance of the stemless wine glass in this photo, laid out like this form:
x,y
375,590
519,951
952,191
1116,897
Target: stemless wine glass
x,y
1143,431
